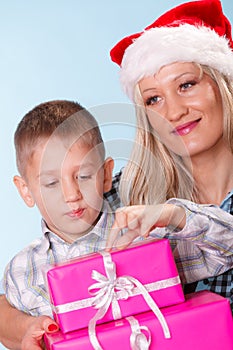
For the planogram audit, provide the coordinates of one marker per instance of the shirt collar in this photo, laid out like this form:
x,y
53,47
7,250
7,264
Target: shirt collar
x,y
226,199
101,228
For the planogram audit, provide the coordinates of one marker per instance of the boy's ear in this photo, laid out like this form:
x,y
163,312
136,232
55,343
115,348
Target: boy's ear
x,y
24,191
108,169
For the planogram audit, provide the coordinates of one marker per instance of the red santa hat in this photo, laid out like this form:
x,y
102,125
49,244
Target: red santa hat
x,y
195,31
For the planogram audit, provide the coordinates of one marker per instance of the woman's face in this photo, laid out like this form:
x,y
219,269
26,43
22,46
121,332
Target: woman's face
x,y
184,108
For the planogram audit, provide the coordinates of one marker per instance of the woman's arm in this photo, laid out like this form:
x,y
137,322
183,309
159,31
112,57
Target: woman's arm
x,y
201,235
21,331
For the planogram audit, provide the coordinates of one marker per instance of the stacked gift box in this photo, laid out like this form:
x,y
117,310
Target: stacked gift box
x,y
133,299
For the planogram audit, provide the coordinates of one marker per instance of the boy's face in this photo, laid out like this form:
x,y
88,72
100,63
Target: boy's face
x,y
67,185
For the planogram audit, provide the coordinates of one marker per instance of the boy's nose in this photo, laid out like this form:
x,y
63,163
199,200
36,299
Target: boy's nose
x,y
71,192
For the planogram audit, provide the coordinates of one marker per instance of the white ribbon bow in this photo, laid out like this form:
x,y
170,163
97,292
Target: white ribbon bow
x,y
109,289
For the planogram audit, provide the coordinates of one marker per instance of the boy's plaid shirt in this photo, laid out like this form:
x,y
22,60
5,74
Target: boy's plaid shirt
x,y
24,277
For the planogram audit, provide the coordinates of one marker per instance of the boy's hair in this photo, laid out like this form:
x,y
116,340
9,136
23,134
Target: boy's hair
x,y
64,119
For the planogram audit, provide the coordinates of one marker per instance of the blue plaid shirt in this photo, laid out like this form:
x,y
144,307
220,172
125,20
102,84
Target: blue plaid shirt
x,y
222,284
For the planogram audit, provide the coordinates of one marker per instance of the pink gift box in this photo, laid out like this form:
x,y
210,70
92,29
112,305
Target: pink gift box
x,y
203,321
151,262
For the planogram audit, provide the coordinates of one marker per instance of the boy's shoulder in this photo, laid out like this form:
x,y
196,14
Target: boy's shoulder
x,y
23,281
38,248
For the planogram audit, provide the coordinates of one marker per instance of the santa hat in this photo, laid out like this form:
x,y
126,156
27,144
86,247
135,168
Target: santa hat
x,y
195,31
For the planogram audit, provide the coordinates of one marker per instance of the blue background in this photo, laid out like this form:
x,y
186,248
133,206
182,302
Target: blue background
x,y
59,49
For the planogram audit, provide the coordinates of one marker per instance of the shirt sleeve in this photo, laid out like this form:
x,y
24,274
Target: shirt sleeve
x,y
24,283
204,247
12,287
1,287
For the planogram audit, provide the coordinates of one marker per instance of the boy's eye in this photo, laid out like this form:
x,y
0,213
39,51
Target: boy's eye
x,y
152,100
51,184
83,177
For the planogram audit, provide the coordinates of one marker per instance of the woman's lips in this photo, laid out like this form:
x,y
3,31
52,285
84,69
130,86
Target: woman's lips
x,y
186,128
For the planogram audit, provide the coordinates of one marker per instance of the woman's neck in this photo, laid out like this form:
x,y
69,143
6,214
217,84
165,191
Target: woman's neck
x,y
213,174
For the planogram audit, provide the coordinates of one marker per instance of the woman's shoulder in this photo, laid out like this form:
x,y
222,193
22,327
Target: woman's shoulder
x,y
113,196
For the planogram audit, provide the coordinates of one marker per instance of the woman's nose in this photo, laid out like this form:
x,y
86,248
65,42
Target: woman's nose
x,y
175,108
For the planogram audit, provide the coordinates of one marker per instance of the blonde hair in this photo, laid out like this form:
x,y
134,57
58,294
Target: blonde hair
x,y
154,173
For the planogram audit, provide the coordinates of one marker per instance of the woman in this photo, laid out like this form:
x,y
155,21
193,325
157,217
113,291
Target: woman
x,y
158,164
179,74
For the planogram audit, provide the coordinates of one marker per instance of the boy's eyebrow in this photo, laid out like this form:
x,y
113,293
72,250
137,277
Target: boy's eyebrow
x,y
87,165
75,168
45,173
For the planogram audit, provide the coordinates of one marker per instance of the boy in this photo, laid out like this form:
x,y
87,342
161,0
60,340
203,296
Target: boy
x,y
63,171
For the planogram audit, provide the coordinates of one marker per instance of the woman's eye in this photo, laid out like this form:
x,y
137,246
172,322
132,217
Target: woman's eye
x,y
187,85
152,100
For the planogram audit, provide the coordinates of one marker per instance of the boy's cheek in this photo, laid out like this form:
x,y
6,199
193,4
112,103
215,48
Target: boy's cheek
x,y
92,188
94,202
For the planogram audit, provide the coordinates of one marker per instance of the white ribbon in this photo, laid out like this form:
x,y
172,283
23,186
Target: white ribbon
x,y
138,339
88,302
105,295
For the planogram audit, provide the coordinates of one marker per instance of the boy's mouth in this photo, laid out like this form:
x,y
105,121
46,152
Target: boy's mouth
x,y
77,213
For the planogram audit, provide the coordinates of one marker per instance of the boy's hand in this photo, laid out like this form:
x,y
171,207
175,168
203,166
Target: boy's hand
x,y
33,339
140,220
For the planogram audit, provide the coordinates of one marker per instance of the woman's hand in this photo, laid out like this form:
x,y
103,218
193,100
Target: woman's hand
x,y
140,220
19,330
33,338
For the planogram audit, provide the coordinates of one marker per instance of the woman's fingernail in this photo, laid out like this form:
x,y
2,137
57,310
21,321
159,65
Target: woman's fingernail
x,y
52,327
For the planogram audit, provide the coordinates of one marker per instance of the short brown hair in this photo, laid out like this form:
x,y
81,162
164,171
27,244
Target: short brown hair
x,y
64,118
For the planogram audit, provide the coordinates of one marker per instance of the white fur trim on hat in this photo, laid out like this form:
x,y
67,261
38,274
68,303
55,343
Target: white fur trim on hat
x,y
160,46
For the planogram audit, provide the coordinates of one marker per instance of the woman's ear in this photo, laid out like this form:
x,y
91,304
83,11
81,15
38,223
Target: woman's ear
x,y
24,191
108,169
